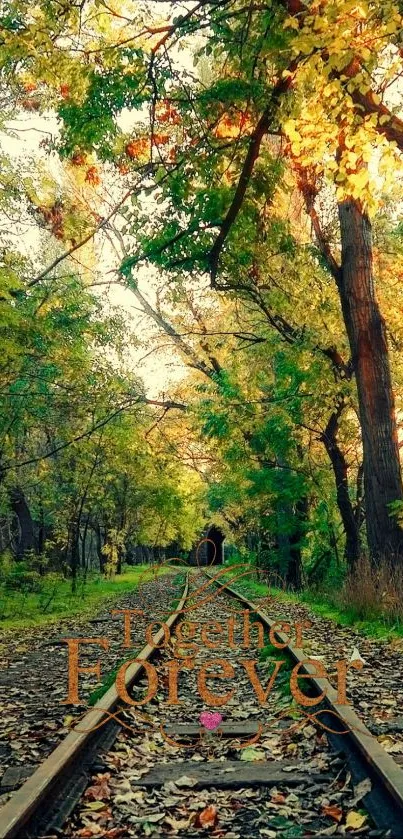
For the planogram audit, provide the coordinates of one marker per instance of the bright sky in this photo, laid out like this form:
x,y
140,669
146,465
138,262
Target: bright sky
x,y
160,370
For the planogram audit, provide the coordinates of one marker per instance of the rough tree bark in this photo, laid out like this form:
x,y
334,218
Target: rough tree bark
x,y
294,579
368,341
340,471
74,542
21,509
99,543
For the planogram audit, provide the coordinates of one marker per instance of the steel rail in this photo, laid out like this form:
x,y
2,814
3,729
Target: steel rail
x,y
36,793
16,814
389,773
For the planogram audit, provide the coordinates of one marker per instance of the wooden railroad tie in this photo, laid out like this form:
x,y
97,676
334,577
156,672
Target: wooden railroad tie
x,y
230,774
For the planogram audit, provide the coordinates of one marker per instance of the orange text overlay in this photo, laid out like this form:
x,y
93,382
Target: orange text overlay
x,y
216,677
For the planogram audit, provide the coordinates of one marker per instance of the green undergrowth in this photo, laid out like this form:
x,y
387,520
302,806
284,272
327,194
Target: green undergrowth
x,y
322,604
272,655
110,679
23,609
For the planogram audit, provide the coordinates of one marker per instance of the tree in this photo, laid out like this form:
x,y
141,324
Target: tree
x,y
285,93
237,111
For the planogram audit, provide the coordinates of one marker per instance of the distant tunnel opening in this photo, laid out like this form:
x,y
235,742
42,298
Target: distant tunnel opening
x,y
215,547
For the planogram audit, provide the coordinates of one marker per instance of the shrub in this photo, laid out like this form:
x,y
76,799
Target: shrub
x,y
22,580
6,565
375,590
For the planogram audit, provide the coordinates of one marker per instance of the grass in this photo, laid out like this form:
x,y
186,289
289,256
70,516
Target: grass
x,y
324,605
55,601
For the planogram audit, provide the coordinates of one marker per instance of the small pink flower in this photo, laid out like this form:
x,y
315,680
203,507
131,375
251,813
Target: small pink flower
x,y
210,720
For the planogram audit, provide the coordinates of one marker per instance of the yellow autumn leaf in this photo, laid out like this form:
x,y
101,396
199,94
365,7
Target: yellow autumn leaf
x,y
392,27
291,23
355,820
306,44
95,805
290,129
352,158
360,179
320,23
361,11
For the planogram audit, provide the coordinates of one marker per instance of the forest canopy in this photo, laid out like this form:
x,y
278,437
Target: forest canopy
x,y
235,169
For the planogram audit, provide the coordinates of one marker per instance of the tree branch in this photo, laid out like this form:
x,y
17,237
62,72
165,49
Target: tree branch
x,y
170,405
261,129
182,345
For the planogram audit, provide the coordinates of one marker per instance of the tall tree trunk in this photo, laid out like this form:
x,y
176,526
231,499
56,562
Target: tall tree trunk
x,y
101,556
367,336
291,526
84,542
119,563
41,530
340,471
291,522
74,552
21,509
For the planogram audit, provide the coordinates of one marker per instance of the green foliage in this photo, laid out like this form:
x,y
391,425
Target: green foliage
x,y
213,161
91,124
53,600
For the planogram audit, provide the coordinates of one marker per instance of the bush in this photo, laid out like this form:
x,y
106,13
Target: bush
x,y
49,590
375,591
23,580
6,565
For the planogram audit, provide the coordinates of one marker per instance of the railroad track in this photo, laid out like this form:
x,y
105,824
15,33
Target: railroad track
x,y
159,771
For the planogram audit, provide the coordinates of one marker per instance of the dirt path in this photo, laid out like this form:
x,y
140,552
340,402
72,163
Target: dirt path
x,y
33,677
149,785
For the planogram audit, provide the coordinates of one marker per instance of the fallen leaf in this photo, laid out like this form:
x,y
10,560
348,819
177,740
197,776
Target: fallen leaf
x,y
150,818
309,731
100,790
179,824
185,781
207,817
396,748
329,831
128,797
95,805
333,812
355,820
89,831
252,754
362,789
278,798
